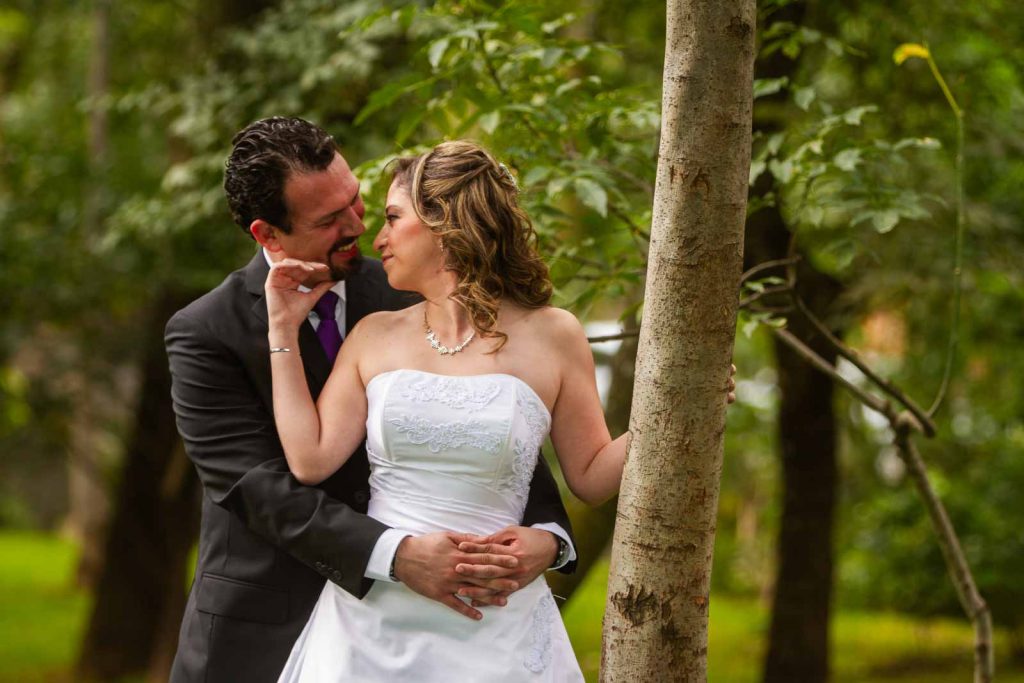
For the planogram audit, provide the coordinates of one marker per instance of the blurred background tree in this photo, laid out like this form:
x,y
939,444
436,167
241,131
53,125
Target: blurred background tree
x,y
115,119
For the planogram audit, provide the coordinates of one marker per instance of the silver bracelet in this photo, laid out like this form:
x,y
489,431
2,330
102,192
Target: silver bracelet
x,y
280,349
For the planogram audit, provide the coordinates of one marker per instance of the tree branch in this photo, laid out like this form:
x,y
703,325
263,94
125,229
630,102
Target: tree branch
x,y
767,291
636,229
974,605
625,334
761,267
868,399
849,354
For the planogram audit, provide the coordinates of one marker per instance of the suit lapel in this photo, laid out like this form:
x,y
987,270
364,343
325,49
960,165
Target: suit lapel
x,y
314,360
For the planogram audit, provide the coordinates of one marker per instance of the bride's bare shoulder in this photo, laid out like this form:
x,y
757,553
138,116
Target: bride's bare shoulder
x,y
555,324
376,327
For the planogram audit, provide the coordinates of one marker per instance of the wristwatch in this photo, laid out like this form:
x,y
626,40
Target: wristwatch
x,y
563,553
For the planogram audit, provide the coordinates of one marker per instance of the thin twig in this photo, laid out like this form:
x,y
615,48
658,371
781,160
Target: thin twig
x,y
637,181
958,245
974,605
636,229
625,334
583,261
761,267
868,399
849,354
767,291
764,308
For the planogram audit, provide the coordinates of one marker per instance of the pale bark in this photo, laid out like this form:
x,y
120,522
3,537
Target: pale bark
x,y
656,617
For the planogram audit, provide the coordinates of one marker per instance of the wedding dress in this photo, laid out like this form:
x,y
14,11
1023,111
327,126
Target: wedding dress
x,y
446,453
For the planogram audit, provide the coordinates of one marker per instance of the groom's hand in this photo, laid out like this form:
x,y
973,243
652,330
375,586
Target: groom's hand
x,y
534,549
427,564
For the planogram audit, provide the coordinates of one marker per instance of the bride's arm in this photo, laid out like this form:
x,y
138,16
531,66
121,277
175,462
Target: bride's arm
x,y
317,438
590,459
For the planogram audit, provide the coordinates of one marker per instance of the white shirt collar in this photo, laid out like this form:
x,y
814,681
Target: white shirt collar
x,y
338,288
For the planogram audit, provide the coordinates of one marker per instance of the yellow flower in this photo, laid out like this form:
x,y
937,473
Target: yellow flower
x,y
908,50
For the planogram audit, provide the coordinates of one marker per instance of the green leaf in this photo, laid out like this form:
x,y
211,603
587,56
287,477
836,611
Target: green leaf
x,y
803,97
535,175
556,186
855,115
757,167
409,123
782,170
884,221
436,52
592,194
489,121
551,56
769,86
815,215
848,159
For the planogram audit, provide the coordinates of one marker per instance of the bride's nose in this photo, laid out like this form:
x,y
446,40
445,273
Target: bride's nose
x,y
381,239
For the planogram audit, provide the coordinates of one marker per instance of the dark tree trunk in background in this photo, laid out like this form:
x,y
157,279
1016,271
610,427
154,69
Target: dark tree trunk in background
x,y
153,528
798,647
141,592
88,499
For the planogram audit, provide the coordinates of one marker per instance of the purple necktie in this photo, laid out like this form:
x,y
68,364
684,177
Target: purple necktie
x,y
327,331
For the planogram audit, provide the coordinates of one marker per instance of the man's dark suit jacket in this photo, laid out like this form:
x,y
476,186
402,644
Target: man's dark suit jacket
x,y
267,543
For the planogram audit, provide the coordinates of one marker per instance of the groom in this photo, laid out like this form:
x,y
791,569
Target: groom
x,y
267,543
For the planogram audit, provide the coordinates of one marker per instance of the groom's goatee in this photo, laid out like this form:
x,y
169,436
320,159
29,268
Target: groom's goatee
x,y
351,265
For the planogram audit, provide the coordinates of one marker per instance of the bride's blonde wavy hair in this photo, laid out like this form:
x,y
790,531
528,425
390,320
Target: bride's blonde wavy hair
x,y
470,202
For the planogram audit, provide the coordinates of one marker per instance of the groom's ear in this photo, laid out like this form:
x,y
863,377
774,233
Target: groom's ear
x,y
265,234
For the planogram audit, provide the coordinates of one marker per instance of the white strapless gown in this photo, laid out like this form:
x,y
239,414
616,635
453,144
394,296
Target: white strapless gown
x,y
446,454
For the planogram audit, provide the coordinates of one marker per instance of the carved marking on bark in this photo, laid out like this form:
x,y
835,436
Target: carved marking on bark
x,y
701,179
738,28
638,605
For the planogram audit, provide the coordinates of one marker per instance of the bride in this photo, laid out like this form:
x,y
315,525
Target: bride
x,y
454,397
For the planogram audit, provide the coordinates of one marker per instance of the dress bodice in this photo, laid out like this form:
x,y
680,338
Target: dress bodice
x,y
452,451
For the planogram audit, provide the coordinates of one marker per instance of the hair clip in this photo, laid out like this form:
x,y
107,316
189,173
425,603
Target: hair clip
x,y
508,174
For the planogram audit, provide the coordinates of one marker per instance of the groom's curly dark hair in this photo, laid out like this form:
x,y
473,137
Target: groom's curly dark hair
x,y
263,156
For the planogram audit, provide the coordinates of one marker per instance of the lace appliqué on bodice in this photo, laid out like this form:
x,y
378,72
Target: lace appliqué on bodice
x,y
527,448
454,392
439,436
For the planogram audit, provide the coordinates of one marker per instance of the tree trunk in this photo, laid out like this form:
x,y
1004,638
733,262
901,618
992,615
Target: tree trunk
x,y
656,618
153,528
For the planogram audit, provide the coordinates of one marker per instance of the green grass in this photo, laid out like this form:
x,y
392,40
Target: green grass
x,y
41,612
42,616
866,646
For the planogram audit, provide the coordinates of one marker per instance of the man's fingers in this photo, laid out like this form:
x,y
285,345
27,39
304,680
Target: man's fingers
x,y
470,547
461,607
499,585
486,595
488,570
493,555
491,600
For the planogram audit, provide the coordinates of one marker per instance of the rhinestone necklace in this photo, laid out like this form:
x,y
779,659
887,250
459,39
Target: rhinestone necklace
x,y
437,345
